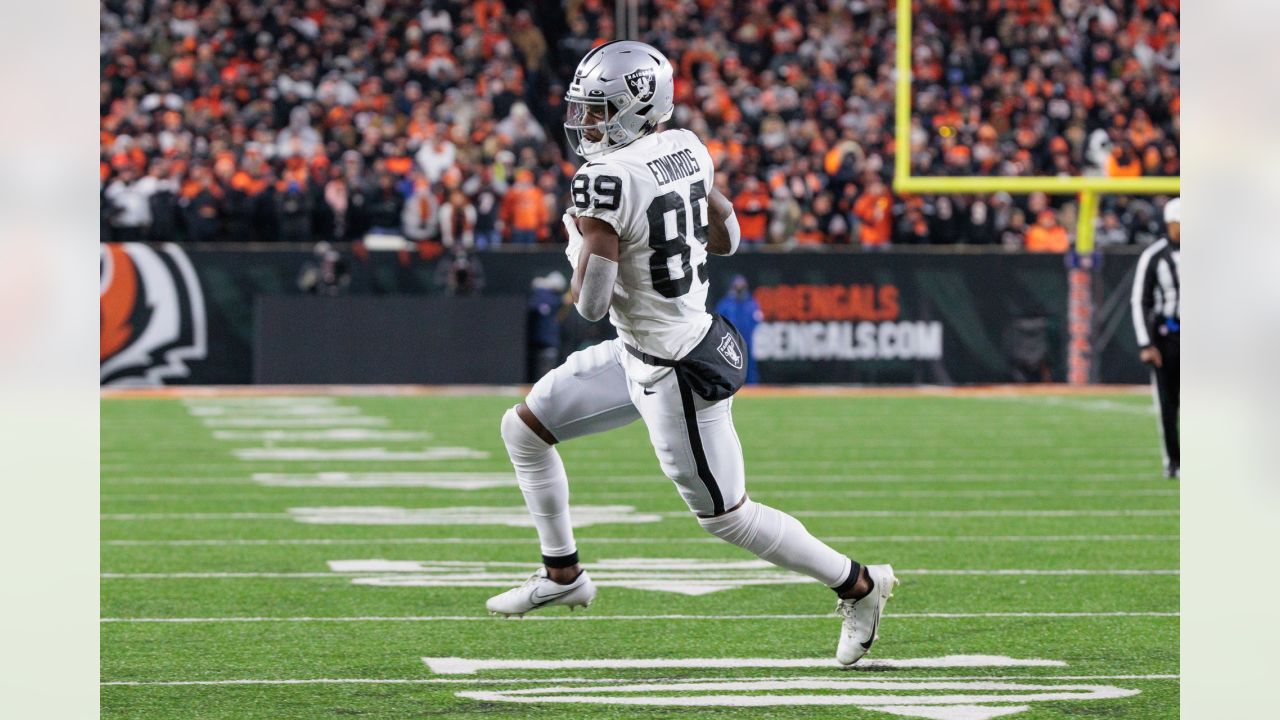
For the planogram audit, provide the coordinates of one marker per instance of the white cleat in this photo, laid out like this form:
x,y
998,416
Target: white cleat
x,y
540,591
862,616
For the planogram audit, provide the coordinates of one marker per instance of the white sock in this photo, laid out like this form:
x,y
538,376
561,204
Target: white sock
x,y
544,485
781,539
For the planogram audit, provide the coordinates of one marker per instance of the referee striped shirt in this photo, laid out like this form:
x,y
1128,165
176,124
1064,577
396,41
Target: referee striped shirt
x,y
1156,299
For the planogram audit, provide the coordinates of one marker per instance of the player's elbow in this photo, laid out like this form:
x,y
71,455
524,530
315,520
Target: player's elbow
x,y
596,290
592,310
725,235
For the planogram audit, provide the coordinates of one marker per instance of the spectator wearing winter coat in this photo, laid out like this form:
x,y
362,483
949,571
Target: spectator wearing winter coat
x,y
458,222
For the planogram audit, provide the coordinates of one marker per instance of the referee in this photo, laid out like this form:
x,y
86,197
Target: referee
x,y
1156,302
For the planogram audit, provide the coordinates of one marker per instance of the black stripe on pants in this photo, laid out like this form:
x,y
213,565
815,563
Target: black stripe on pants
x,y
1168,396
695,442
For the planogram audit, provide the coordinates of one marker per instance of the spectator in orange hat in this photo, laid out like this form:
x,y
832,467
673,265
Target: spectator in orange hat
x,y
524,210
1047,235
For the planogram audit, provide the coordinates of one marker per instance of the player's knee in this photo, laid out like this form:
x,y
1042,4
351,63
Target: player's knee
x,y
520,439
737,526
675,467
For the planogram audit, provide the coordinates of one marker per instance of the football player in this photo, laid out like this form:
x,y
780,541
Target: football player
x,y
645,216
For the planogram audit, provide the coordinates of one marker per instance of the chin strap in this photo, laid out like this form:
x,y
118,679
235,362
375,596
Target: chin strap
x,y
597,287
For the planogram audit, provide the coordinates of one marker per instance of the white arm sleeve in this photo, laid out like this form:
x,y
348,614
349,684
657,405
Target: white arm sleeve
x,y
597,287
735,232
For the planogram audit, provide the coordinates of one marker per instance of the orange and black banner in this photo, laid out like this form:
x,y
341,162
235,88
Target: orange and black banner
x,y
172,315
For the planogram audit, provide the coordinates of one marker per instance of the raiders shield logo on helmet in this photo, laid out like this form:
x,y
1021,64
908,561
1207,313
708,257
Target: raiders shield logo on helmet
x,y
152,314
729,350
641,83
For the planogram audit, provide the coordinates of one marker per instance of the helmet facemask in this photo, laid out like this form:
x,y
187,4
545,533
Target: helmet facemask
x,y
592,126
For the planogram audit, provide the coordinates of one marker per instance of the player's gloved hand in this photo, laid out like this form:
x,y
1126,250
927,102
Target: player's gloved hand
x,y
570,220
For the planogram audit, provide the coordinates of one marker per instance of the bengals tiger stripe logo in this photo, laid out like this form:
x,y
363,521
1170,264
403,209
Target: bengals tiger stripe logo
x,y
152,315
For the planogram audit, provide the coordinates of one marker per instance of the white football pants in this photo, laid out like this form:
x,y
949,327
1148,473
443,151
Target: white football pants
x,y
696,445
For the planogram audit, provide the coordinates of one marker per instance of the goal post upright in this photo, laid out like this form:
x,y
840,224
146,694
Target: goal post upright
x,y
902,98
1087,188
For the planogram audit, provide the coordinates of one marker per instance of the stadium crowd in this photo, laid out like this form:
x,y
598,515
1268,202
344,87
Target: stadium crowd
x,y
304,121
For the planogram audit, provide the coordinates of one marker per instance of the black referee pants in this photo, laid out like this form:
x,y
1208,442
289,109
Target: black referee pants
x,y
1165,379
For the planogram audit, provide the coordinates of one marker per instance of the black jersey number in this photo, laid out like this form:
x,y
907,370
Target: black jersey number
x,y
608,192
666,244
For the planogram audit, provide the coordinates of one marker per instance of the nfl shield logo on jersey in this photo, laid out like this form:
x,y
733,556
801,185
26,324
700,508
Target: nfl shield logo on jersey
x,y
729,350
641,83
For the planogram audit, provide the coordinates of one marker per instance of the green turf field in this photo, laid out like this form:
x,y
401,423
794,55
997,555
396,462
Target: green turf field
x,y
1033,529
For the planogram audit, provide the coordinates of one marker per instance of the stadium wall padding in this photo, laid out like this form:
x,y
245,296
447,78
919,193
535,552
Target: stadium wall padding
x,y
393,339
895,317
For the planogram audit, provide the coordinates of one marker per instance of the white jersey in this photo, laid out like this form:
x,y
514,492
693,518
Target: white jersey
x,y
654,194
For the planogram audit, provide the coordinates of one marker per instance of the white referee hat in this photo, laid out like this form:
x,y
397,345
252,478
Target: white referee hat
x,y
1173,211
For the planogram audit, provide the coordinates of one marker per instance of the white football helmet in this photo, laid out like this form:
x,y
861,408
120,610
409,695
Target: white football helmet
x,y
621,91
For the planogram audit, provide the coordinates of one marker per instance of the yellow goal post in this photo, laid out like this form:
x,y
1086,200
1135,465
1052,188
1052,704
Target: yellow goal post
x,y
1087,187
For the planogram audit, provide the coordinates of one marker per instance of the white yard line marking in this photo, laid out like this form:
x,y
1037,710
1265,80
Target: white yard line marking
x,y
327,435
793,469
641,540
304,421
511,516
369,454
685,576
1095,405
1040,572
1140,512
887,696
483,582
974,494
195,516
274,411
257,401
518,516
173,480
487,481
470,666
438,480
517,681
852,479
854,461
598,618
